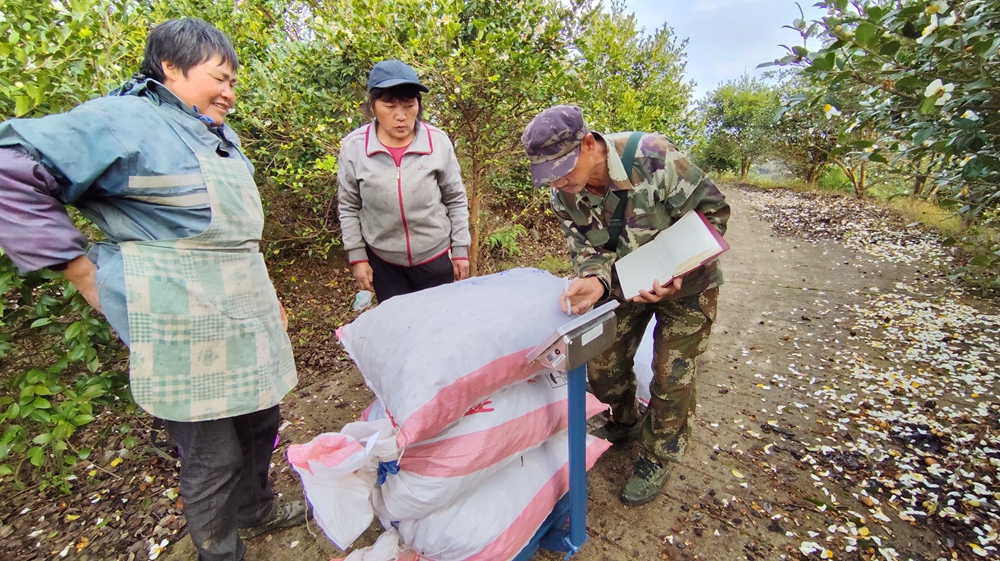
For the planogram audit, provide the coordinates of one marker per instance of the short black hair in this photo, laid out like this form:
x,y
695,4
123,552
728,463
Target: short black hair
x,y
402,92
185,43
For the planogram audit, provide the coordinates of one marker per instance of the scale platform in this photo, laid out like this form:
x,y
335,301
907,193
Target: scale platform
x,y
568,349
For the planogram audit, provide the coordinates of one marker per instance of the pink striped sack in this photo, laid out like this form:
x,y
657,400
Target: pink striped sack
x,y
491,435
431,355
497,519
338,472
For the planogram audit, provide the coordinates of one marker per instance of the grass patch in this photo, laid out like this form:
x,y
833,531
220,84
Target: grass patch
x,y
927,213
556,264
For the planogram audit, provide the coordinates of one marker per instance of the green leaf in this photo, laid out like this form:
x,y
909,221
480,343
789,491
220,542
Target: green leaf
x,y
36,455
22,104
82,419
927,106
41,322
5,470
73,330
40,415
83,453
889,49
982,260
41,403
922,134
42,439
865,33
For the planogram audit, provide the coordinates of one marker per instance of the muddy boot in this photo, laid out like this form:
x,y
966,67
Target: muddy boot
x,y
646,482
615,432
283,515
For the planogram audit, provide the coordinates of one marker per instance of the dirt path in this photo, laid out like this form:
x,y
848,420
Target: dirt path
x,y
826,401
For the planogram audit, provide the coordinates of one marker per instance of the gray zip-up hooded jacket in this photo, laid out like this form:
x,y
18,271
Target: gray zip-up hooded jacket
x,y
410,214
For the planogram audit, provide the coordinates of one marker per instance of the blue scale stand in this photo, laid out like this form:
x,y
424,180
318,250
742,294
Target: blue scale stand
x,y
567,350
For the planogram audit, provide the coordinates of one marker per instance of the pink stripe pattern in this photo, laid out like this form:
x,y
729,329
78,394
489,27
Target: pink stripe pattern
x,y
326,449
451,403
465,454
524,527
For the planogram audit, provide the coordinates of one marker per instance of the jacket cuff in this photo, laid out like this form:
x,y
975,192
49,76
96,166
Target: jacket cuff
x,y
357,255
460,252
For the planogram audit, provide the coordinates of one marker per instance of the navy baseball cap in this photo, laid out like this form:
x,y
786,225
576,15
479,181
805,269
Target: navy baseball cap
x,y
552,141
392,72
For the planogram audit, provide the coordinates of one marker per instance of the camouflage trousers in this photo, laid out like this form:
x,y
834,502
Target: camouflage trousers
x,y
679,338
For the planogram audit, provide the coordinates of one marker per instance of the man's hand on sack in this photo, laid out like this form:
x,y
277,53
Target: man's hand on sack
x,y
362,273
582,294
659,291
82,273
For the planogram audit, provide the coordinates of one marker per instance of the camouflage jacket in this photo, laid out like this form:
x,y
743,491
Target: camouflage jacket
x,y
662,186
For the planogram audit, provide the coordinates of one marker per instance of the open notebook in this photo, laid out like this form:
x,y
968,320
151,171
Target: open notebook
x,y
683,247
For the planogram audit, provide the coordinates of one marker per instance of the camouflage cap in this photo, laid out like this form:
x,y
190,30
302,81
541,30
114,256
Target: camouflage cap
x,y
552,141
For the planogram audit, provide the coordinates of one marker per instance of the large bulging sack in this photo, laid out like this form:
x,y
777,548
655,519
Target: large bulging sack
x,y
492,434
431,355
497,519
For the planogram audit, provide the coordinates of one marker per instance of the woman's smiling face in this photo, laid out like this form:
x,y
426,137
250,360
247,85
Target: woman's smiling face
x,y
209,86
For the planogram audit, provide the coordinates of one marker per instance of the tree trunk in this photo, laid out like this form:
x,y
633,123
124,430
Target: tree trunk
x,y
812,174
744,168
862,179
475,203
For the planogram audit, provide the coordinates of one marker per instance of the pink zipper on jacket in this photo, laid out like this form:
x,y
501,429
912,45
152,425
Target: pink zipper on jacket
x,y
402,212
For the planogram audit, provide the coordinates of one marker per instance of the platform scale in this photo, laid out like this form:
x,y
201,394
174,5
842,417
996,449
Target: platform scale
x,y
567,350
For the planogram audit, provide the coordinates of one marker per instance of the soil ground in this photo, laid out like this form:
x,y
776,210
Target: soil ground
x,y
804,446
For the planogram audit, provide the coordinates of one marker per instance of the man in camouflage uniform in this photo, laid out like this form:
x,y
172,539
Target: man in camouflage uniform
x,y
588,181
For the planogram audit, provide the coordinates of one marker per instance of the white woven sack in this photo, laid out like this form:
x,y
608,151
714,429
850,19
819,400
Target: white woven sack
x,y
495,521
431,355
434,473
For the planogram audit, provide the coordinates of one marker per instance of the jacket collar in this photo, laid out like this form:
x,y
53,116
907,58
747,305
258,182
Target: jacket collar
x,y
140,85
422,143
616,169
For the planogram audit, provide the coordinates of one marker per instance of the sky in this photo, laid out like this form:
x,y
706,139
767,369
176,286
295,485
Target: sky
x,y
725,37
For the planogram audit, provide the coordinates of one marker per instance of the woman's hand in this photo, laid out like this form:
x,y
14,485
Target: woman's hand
x,y
659,291
82,273
284,315
581,295
362,273
461,267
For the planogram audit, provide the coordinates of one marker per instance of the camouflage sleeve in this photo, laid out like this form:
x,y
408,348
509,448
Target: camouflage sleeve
x,y
588,261
682,184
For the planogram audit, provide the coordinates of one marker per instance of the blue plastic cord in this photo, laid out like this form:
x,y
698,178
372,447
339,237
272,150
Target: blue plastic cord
x,y
386,469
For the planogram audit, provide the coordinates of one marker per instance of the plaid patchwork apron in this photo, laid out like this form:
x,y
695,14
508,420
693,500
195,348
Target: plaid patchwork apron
x,y
207,337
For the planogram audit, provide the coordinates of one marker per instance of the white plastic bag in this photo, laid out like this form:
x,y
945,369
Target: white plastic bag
x,y
338,472
643,364
386,548
431,355
497,519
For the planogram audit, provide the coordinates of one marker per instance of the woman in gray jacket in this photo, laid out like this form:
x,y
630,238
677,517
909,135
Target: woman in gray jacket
x,y
403,209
